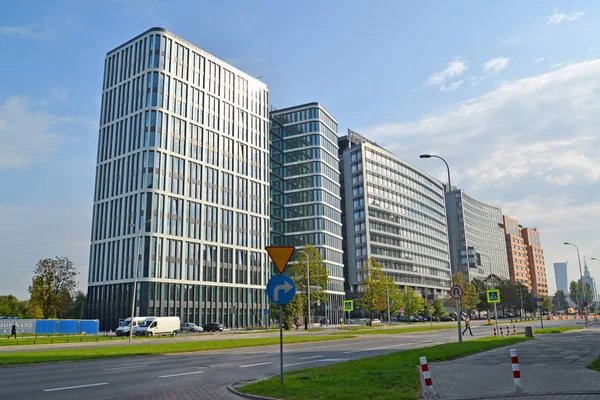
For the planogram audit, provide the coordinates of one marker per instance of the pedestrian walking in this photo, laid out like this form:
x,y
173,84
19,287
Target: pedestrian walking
x,y
468,326
13,330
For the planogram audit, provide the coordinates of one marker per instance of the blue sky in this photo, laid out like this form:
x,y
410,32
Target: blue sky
x,y
506,91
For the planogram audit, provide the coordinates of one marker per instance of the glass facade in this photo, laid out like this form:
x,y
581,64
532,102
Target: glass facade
x,y
305,192
183,153
482,223
394,213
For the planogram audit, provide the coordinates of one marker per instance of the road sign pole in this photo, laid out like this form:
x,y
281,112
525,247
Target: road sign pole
x,y
458,319
281,343
496,316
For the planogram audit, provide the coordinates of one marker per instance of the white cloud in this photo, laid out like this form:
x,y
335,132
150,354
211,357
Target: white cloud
x,y
496,65
558,18
34,31
452,87
28,133
537,61
59,93
455,68
529,145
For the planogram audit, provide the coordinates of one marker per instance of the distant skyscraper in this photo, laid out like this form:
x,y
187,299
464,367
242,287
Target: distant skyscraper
x,y
560,273
588,280
484,236
183,154
535,260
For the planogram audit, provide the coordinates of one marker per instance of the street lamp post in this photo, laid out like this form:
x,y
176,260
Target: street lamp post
x,y
595,259
582,284
448,190
135,274
387,289
492,276
307,288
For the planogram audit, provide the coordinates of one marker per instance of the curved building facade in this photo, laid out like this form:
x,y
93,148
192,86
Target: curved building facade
x,y
395,213
183,154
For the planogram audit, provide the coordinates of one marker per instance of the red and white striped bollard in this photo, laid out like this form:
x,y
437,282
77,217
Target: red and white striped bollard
x,y
426,375
515,368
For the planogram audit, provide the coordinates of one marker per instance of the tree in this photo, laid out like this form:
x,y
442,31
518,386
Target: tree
x,y
481,289
547,304
310,256
470,298
76,309
438,309
559,301
374,287
413,302
53,285
9,306
576,292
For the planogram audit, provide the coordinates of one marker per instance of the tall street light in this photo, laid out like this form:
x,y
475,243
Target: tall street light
x,y
135,273
595,259
582,284
448,190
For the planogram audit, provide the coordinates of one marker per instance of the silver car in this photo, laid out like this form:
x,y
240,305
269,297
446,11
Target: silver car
x,y
191,327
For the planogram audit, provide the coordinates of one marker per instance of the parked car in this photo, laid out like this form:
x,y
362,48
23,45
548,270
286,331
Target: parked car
x,y
375,321
191,327
446,319
213,327
404,318
156,326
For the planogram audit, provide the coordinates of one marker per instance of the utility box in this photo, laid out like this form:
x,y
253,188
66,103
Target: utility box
x,y
529,331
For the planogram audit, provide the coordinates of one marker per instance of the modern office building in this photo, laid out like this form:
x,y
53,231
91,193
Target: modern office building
x,y
183,154
560,273
516,252
305,192
535,261
395,213
588,280
484,236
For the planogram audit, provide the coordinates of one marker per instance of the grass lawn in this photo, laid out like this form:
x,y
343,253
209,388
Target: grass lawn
x,y
33,357
558,329
392,331
391,376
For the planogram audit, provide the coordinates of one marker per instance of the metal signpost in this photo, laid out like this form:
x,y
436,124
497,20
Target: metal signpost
x,y
348,306
493,296
456,292
281,289
538,301
430,303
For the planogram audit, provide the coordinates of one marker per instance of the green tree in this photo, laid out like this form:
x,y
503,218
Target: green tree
x,y
547,304
375,286
396,298
481,289
438,309
470,298
299,272
53,285
76,309
413,301
559,301
576,291
9,306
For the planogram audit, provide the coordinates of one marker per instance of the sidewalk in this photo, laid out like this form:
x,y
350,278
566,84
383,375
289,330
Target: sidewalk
x,y
553,364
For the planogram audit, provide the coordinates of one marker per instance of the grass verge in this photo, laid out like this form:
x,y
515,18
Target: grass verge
x,y
393,331
557,329
33,357
390,376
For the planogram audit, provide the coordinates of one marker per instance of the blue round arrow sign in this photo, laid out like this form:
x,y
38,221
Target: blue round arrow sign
x,y
281,289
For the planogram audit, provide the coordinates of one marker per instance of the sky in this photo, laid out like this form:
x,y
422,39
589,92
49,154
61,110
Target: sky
x,y
507,92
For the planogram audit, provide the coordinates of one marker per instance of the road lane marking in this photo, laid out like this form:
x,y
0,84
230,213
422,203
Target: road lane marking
x,y
75,387
334,359
255,365
300,363
378,348
182,374
308,358
128,367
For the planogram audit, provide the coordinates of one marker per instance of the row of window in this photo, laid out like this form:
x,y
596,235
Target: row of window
x,y
403,197
400,210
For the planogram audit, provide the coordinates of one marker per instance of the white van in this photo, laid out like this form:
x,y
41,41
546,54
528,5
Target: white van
x,y
155,326
123,329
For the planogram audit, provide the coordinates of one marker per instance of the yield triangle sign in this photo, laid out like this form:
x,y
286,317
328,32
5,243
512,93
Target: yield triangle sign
x,y
280,255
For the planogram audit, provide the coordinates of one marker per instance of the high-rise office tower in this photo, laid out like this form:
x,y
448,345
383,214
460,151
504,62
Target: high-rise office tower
x,y
395,213
484,236
560,273
535,261
305,192
516,252
183,155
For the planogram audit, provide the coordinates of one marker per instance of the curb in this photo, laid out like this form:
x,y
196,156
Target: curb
x,y
525,395
232,389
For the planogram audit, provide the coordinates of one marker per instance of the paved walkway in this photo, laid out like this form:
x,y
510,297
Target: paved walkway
x,y
553,364
207,392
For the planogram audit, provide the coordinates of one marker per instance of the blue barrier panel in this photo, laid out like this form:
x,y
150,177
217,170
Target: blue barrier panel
x,y
90,327
68,326
45,326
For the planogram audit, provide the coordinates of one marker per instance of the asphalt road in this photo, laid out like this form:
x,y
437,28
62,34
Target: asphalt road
x,y
147,375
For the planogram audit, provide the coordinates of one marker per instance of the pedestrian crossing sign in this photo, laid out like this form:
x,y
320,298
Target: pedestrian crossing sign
x,y
348,305
493,296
